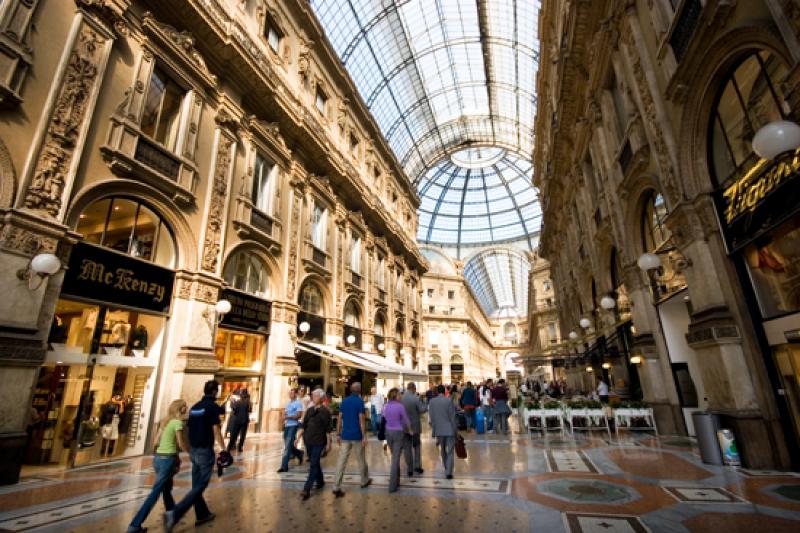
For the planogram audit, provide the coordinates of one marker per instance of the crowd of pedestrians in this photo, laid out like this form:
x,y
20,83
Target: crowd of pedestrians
x,y
309,431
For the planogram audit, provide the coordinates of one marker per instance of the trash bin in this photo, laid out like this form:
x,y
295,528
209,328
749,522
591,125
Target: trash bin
x,y
705,428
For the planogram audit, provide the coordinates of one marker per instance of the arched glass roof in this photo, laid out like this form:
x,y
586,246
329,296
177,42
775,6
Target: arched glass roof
x,y
499,279
441,77
478,195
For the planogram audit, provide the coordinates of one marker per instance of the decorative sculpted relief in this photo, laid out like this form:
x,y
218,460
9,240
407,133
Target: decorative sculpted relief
x,y
219,187
70,112
291,282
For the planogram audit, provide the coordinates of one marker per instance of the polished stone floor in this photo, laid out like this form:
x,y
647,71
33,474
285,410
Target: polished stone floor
x,y
519,483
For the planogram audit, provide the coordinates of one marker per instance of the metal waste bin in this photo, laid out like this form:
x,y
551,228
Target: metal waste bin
x,y
705,429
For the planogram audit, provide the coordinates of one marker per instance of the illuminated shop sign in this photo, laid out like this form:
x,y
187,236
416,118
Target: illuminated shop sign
x,y
247,312
105,276
761,199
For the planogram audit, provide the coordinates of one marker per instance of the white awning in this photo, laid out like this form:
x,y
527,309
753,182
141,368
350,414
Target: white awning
x,y
394,367
348,359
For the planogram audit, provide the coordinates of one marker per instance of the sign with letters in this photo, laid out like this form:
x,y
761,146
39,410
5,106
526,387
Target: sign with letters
x,y
103,275
247,312
760,200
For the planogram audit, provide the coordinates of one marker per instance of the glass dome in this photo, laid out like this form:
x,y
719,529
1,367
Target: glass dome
x,y
464,205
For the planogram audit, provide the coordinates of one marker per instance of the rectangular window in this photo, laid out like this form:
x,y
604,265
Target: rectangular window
x,y
274,35
379,275
263,182
353,144
551,331
431,309
451,295
319,223
320,101
355,255
162,109
430,293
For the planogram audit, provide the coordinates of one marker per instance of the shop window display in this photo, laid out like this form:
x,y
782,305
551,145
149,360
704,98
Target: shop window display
x,y
239,350
773,262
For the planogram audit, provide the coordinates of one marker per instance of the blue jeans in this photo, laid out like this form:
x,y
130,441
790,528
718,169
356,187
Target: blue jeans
x,y
374,419
163,465
203,461
469,414
315,469
289,434
488,415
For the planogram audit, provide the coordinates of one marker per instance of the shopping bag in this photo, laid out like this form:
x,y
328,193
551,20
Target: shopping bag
x,y
461,448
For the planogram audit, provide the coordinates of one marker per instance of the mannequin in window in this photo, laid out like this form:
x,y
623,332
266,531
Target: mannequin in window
x,y
58,332
109,420
138,340
119,333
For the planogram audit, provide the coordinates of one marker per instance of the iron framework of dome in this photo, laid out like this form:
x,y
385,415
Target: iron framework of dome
x,y
499,279
448,81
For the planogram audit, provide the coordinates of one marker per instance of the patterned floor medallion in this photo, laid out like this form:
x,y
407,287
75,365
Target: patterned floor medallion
x,y
703,495
587,490
597,523
570,461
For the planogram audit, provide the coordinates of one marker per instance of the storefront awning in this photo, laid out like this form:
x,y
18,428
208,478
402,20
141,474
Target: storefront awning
x,y
337,356
394,368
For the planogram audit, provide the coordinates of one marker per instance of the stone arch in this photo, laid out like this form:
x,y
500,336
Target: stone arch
x,y
380,314
8,178
185,239
640,190
319,281
356,303
276,281
714,68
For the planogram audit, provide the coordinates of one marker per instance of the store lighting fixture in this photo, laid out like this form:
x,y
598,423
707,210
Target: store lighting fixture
x,y
606,365
585,323
351,339
636,360
608,303
304,327
648,261
573,335
589,369
776,138
40,267
221,308
381,347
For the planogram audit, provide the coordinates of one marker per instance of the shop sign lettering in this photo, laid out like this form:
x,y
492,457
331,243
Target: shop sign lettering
x,y
108,277
247,312
122,279
747,194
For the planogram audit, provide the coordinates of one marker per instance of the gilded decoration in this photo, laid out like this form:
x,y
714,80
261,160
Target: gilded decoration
x,y
69,114
216,211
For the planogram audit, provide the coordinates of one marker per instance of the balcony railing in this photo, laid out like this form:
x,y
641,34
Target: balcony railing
x,y
261,221
355,279
155,157
318,256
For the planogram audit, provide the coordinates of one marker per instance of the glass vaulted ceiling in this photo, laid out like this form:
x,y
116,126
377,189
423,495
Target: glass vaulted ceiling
x,y
443,78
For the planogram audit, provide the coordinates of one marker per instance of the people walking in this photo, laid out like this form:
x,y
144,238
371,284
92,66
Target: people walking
x,y
486,405
414,409
292,415
602,391
170,438
398,426
375,409
239,420
442,414
204,430
314,432
501,408
469,402
351,437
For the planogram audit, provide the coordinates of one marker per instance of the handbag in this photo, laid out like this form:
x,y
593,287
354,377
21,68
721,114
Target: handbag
x,y
461,448
382,429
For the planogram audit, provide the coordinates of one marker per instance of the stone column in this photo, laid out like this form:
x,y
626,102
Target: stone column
x,y
281,362
36,225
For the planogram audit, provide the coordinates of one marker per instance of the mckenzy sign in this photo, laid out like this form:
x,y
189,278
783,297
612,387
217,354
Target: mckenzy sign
x,y
759,200
105,276
247,312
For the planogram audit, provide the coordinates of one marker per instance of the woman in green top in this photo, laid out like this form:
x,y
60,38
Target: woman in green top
x,y
170,437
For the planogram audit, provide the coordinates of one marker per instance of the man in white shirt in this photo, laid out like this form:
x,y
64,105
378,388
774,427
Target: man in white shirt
x,y
376,408
486,405
602,391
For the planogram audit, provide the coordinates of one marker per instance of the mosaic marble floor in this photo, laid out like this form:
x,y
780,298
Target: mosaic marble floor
x,y
585,484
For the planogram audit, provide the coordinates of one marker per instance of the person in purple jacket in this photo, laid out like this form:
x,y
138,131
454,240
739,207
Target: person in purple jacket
x,y
397,425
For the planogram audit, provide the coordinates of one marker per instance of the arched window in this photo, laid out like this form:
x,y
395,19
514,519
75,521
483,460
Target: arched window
x,y
510,332
399,331
654,232
311,300
400,288
352,317
246,272
130,227
380,326
749,99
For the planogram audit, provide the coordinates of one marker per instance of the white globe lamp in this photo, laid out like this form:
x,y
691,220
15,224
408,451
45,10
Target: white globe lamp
x,y
776,138
223,307
351,339
648,261
45,264
573,335
381,347
585,323
608,303
304,327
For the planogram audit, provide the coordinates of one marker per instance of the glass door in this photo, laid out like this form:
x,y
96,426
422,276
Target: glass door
x,y
787,360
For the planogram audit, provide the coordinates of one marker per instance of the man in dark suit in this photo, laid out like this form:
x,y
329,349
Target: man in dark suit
x,y
414,409
442,413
